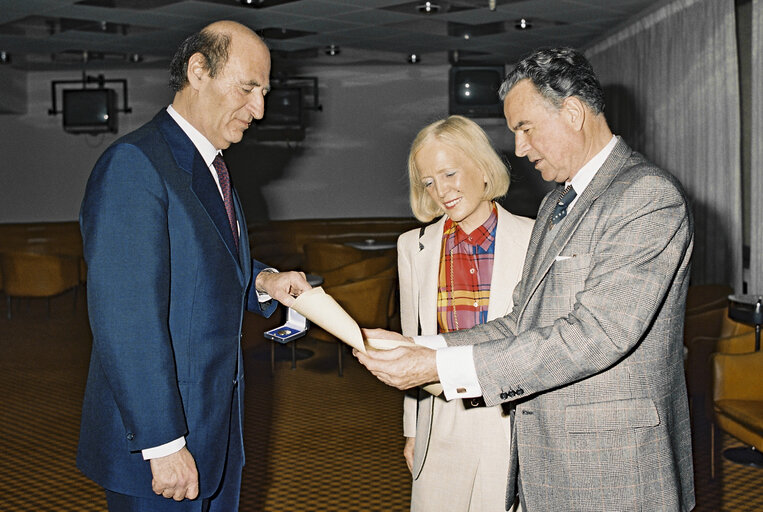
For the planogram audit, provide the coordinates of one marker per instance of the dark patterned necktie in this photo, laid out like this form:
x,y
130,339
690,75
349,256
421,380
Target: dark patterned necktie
x,y
224,177
560,210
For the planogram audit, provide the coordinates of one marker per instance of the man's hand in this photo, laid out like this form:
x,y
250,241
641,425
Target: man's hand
x,y
402,367
382,334
175,476
410,442
282,286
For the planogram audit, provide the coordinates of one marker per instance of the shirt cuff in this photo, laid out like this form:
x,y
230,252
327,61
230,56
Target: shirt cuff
x,y
434,342
455,367
262,296
164,450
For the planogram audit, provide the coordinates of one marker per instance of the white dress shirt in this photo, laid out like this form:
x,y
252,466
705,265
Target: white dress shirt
x,y
455,365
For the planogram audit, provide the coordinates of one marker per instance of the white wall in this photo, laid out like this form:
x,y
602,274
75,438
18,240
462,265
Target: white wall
x,y
352,162
44,169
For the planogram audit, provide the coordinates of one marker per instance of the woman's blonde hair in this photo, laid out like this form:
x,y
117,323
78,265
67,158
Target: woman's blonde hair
x,y
467,136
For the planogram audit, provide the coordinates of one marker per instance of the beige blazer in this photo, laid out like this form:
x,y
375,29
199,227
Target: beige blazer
x,y
418,261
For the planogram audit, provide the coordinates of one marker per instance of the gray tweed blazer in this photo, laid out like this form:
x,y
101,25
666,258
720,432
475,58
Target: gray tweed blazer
x,y
592,354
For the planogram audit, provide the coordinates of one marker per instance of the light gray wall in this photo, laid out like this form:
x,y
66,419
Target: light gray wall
x,y
352,162
44,169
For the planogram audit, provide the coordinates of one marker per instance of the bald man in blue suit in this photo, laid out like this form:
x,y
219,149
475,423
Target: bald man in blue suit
x,y
169,278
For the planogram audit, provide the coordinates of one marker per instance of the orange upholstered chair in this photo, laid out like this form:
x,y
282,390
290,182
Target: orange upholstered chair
x,y
33,275
704,333
323,256
367,301
704,297
737,399
358,270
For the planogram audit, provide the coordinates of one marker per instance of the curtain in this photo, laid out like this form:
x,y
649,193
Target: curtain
x,y
756,156
672,92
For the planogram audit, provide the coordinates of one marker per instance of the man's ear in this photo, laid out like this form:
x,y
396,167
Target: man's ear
x,y
197,70
574,111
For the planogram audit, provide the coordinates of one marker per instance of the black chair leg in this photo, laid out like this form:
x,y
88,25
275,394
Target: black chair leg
x,y
272,357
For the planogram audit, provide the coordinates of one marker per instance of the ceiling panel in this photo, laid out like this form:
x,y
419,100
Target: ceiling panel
x,y
31,30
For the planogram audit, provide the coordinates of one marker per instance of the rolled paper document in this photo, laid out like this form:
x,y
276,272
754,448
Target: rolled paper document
x,y
323,310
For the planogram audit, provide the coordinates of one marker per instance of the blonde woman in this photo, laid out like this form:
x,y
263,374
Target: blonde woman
x,y
455,273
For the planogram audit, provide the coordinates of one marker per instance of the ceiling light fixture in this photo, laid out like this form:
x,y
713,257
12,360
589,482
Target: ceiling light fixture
x,y
332,50
523,24
428,8
414,59
134,58
5,57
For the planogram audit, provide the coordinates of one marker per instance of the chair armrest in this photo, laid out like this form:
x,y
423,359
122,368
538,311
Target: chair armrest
x,y
737,376
707,323
739,344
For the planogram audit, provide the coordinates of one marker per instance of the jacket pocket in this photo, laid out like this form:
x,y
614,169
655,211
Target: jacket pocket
x,y
570,263
612,415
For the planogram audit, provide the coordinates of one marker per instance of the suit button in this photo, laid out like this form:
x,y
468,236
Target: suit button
x,y
520,391
512,393
504,395
130,436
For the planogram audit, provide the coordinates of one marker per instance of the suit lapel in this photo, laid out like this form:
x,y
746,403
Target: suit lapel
x,y
541,261
506,252
203,185
206,191
537,239
427,267
244,258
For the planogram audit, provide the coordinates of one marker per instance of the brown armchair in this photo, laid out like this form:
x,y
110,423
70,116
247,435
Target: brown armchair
x,y
704,297
358,270
32,275
323,256
367,301
707,332
737,399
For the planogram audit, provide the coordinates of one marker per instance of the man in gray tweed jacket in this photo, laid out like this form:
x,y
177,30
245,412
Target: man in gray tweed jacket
x,y
591,357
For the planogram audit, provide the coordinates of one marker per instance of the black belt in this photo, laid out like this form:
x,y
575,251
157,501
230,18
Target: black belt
x,y
478,401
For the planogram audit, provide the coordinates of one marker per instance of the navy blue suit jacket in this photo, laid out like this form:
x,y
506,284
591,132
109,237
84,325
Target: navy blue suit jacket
x,y
167,291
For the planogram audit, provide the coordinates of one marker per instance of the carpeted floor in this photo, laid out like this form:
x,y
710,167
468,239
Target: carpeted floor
x,y
314,441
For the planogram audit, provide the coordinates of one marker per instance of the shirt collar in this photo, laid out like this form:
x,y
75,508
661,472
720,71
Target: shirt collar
x,y
482,236
589,170
205,148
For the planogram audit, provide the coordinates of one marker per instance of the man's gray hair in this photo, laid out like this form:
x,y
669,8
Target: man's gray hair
x,y
212,45
558,73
